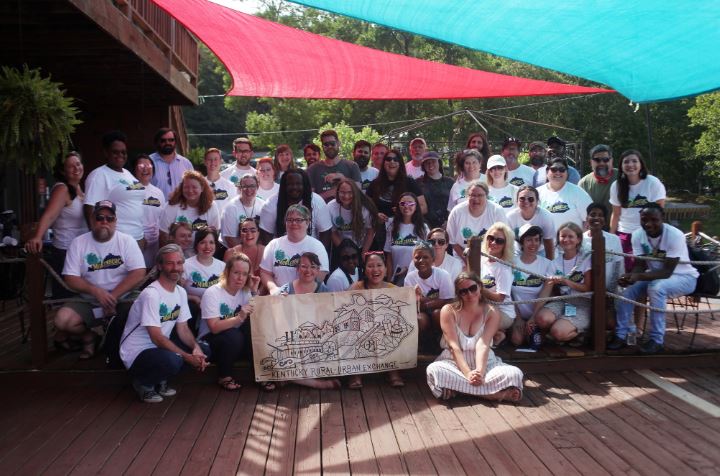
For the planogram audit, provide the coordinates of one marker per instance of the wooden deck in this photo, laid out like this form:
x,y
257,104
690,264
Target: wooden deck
x,y
567,423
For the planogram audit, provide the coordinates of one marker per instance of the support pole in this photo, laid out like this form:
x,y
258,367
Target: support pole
x,y
474,255
35,282
599,297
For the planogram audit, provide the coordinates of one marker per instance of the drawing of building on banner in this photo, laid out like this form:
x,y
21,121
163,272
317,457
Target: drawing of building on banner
x,y
360,329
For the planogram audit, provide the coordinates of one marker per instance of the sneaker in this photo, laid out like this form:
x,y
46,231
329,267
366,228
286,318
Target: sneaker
x,y
651,347
147,394
163,389
617,343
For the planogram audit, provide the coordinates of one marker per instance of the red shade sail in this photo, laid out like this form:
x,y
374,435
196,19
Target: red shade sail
x,y
267,59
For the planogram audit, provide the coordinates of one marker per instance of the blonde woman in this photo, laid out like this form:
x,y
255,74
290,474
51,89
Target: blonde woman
x,y
496,277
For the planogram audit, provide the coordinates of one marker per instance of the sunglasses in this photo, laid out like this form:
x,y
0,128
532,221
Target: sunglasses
x,y
107,218
604,160
408,203
349,257
494,239
527,199
470,289
438,242
558,170
329,144
392,158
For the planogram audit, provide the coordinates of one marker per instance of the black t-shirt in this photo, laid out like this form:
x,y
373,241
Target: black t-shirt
x,y
436,194
383,198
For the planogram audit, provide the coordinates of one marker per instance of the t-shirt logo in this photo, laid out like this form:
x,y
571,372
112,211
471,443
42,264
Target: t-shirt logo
x,y
366,184
198,223
532,281
488,281
234,178
221,194
638,202
558,207
576,276
110,261
200,283
132,186
341,225
226,311
506,202
517,181
467,233
463,193
648,251
433,294
167,315
282,260
408,240
152,202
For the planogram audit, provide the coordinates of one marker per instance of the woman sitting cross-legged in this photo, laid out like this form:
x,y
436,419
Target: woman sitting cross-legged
x,y
226,307
467,364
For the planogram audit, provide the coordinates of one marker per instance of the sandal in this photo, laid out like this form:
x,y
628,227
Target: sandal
x,y
395,380
355,382
229,384
268,386
67,345
89,348
516,392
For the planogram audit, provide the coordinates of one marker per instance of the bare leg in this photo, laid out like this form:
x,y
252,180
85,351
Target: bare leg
x,y
510,394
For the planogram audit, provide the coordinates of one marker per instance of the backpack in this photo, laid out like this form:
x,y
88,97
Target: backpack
x,y
113,337
708,282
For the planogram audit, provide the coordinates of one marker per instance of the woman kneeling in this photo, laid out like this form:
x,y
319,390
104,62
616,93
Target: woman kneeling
x,y
467,364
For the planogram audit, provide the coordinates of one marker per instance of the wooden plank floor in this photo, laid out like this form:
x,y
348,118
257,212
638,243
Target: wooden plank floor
x,y
567,423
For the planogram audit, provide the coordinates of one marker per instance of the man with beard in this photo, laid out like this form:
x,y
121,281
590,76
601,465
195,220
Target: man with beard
x,y
417,148
556,148
537,153
169,165
243,152
518,174
658,280
326,174
598,182
102,265
361,156
146,349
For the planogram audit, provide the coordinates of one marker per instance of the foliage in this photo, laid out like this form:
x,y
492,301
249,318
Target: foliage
x,y
706,115
37,119
196,155
348,136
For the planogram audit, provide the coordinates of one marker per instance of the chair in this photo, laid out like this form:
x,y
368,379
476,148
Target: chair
x,y
691,301
12,287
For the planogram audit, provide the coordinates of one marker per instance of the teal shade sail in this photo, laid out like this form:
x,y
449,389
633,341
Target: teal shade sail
x,y
647,50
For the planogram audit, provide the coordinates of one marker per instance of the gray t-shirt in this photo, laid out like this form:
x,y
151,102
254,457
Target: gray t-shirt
x,y
319,170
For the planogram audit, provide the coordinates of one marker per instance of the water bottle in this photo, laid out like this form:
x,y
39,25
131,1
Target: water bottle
x,y
536,339
631,338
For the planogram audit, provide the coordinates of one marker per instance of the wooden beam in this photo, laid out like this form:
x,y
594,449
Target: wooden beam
x,y
35,285
599,317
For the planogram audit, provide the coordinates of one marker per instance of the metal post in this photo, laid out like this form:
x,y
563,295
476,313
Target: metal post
x,y
599,297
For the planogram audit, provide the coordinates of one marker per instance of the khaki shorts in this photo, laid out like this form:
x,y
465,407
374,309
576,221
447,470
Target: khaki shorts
x,y
85,311
581,319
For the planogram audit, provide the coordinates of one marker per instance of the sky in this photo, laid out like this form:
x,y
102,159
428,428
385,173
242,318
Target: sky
x,y
246,6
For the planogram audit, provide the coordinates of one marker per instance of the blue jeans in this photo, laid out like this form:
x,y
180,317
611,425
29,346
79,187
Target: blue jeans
x,y
658,292
156,365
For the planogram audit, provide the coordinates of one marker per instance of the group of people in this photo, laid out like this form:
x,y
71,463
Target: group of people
x,y
372,221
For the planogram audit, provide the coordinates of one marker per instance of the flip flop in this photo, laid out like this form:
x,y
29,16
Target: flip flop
x,y
355,382
268,386
229,384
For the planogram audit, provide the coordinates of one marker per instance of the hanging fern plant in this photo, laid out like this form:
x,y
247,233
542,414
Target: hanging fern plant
x,y
36,119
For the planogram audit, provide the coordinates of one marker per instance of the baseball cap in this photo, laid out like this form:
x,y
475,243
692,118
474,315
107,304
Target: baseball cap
x,y
104,204
430,155
555,140
512,140
495,161
527,228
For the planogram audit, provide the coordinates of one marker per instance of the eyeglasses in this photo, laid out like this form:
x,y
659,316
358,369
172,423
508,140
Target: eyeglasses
x,y
392,158
248,230
604,160
243,151
477,195
527,199
248,187
368,254
495,239
470,289
107,218
295,221
408,203
308,267
438,242
349,257
558,170
329,144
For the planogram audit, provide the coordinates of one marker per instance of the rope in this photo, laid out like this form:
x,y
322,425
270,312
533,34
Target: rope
x,y
513,266
620,297
654,258
586,295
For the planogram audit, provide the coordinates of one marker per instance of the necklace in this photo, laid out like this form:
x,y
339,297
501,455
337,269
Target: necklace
x,y
252,212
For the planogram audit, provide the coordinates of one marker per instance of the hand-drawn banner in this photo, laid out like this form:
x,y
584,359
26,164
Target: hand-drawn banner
x,y
333,334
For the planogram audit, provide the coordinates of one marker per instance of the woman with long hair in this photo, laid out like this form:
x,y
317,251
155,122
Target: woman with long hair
x,y
529,213
500,190
496,277
346,257
352,215
470,164
267,186
245,205
467,364
403,232
193,201
478,141
283,161
633,189
226,307
374,278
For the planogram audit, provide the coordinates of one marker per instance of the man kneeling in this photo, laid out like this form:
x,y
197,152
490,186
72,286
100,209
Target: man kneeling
x,y
659,280
146,349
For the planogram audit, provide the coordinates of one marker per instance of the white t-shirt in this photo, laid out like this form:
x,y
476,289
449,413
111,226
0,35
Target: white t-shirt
x,y
338,280
153,205
234,174
124,190
266,194
104,265
341,220
613,263
155,307
573,269
198,277
542,218
367,176
670,244
438,286
281,257
569,204
461,226
217,303
458,192
224,191
235,213
414,171
528,286
505,196
523,175
498,278
320,218
401,245
451,264
70,223
174,213
648,190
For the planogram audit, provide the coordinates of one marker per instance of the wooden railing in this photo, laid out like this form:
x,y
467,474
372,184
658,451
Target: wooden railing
x,y
170,36
177,122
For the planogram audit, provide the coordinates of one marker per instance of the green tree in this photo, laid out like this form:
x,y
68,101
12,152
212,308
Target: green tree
x,y
705,114
348,136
